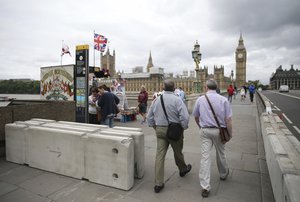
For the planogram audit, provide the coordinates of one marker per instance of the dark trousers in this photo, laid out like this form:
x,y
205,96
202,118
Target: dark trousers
x,y
251,96
93,119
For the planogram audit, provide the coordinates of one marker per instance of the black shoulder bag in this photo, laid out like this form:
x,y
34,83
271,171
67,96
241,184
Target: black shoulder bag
x,y
224,133
175,130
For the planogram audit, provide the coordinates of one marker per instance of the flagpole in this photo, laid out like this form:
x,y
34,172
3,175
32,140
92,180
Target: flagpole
x,y
94,50
61,55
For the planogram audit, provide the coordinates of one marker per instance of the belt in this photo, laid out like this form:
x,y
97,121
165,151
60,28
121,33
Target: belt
x,y
161,126
209,127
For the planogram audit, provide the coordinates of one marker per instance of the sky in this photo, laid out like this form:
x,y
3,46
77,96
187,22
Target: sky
x,y
32,33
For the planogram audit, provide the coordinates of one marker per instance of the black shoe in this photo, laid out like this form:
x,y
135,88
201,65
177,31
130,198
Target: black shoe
x,y
188,169
224,178
205,193
157,189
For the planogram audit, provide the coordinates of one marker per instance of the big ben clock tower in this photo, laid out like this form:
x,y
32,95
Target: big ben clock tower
x,y
240,59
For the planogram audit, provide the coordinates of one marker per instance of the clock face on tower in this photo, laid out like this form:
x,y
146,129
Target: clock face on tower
x,y
240,55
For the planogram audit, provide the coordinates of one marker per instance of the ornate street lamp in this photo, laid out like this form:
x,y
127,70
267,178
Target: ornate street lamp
x,y
197,58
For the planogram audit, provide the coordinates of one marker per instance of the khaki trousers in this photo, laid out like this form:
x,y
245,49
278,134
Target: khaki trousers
x,y
210,137
162,148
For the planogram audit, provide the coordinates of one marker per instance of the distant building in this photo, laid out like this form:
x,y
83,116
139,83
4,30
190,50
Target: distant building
x,y
285,77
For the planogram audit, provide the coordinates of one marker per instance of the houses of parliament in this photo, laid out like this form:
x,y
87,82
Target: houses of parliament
x,y
153,77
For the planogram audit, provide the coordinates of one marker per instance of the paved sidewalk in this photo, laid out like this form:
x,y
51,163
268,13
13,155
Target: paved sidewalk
x,y
248,179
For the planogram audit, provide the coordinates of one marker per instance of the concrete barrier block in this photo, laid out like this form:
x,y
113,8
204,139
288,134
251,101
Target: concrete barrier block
x,y
83,124
30,123
270,131
72,127
127,128
286,166
276,145
277,119
109,160
15,142
139,148
291,188
43,120
56,150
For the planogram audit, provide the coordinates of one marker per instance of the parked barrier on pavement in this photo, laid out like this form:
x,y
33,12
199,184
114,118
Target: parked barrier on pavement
x,y
100,154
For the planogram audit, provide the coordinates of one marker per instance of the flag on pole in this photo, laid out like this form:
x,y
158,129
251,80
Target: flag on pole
x,y
65,50
99,42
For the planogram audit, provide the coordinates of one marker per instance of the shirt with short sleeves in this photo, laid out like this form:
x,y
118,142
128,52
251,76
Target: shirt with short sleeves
x,y
220,105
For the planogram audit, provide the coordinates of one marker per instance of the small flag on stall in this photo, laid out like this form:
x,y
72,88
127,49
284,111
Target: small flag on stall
x,y
99,42
65,50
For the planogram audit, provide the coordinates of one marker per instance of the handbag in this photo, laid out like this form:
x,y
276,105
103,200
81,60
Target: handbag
x,y
175,130
224,133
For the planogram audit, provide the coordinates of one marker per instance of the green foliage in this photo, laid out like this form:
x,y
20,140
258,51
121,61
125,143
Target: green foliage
x,y
12,86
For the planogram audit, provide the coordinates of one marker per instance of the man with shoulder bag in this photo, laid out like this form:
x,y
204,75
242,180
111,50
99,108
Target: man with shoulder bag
x,y
213,114
168,109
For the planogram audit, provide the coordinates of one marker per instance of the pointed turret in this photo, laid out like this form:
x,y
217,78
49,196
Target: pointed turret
x,y
150,63
241,43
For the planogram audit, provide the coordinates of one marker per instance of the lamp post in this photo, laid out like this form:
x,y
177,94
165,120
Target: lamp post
x,y
197,58
232,77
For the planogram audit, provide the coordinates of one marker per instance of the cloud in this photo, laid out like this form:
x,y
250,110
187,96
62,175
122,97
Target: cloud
x,y
32,32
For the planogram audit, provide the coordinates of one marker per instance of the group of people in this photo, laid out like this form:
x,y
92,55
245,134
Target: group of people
x,y
102,106
177,112
232,91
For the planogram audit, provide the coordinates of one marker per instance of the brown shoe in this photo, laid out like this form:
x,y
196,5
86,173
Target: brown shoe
x,y
205,193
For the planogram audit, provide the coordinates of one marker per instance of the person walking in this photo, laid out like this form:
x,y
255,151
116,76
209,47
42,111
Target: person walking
x,y
251,91
142,100
210,134
107,103
230,91
243,94
177,113
92,106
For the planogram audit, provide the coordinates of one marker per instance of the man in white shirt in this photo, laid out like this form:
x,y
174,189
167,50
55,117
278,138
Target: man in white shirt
x,y
210,134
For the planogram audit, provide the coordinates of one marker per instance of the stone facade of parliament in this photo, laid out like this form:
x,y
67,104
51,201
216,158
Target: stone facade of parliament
x,y
153,77
289,77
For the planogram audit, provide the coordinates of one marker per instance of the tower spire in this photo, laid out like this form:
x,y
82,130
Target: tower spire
x,y
150,63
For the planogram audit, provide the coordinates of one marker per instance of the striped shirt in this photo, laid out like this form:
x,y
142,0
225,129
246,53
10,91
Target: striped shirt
x,y
175,108
220,105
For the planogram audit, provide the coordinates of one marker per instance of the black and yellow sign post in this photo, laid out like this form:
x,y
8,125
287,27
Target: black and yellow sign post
x,y
81,73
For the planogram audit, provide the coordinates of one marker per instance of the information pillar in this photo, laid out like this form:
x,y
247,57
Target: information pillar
x,y
81,72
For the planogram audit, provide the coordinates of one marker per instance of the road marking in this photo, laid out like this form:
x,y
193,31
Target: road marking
x,y
286,95
271,103
297,129
287,118
277,108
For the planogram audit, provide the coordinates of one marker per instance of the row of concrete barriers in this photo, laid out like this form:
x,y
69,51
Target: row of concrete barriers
x,y
282,151
108,156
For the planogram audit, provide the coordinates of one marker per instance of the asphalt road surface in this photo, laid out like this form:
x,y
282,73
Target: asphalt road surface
x,y
287,106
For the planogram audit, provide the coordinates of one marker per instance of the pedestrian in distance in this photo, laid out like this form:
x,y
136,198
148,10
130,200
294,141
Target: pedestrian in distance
x,y
210,133
142,103
243,94
108,104
230,91
177,113
251,92
92,106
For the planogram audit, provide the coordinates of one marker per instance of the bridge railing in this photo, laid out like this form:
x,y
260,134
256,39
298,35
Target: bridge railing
x,y
282,150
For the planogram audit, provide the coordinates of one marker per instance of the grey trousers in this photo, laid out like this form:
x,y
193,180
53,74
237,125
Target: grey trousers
x,y
210,137
162,148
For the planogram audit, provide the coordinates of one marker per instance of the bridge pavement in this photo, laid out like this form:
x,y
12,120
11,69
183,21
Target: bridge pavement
x,y
248,179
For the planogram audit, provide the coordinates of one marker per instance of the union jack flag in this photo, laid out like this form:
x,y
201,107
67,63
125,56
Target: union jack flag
x,y
99,42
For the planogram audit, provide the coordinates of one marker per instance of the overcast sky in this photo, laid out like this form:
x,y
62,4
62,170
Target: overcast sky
x,y
32,32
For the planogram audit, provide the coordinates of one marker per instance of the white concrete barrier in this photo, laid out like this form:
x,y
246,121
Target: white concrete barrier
x,y
127,128
30,123
15,142
139,148
56,150
43,120
83,124
72,127
109,160
282,157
